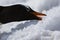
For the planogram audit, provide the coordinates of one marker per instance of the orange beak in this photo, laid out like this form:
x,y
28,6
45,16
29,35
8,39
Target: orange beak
x,y
39,15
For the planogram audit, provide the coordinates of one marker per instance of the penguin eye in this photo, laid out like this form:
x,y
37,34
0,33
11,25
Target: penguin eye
x,y
28,9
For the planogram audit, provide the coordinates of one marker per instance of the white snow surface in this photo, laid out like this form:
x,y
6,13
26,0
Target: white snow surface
x,y
47,29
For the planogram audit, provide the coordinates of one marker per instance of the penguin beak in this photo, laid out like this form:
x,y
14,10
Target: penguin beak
x,y
39,15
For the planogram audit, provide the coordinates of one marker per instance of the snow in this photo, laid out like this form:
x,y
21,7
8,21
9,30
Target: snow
x,y
47,29
41,5
54,19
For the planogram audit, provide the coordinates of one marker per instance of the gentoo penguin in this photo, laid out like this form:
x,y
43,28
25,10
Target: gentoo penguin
x,y
18,12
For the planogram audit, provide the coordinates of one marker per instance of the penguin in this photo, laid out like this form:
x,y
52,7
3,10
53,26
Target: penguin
x,y
18,12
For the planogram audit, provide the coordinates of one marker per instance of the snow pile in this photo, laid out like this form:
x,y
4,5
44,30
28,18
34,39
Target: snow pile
x,y
53,17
